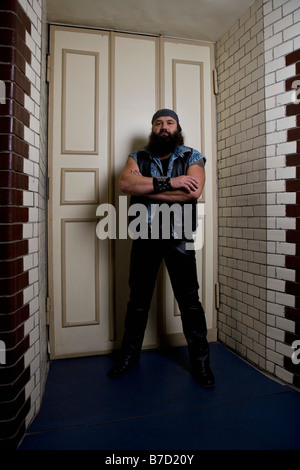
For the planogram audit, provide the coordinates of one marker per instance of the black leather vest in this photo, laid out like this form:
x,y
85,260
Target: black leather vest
x,y
180,167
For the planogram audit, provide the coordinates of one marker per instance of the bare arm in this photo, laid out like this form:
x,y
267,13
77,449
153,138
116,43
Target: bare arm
x,y
132,182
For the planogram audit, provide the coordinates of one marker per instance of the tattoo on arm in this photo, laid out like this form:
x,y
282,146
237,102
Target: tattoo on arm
x,y
199,163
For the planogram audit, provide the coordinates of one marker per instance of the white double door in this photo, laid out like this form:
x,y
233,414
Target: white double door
x,y
104,88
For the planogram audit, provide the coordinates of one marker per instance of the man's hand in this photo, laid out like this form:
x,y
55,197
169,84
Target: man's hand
x,y
185,182
185,188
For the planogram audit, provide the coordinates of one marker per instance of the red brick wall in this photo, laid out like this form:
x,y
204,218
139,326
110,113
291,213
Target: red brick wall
x,y
13,150
293,210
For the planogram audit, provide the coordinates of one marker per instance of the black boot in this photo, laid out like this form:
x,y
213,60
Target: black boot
x,y
135,325
122,367
202,373
194,327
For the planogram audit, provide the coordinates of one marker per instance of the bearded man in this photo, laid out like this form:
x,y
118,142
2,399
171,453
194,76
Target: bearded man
x,y
165,172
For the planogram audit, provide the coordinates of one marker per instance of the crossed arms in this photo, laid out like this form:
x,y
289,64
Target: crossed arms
x,y
185,188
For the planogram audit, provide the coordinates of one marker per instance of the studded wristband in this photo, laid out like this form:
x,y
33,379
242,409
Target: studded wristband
x,y
162,183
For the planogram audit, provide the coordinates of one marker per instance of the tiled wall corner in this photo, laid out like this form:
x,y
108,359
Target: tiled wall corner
x,y
258,147
292,227
35,198
242,187
23,221
282,26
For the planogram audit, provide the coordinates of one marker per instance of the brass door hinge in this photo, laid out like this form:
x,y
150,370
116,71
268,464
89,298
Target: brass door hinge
x,y
48,68
48,304
217,295
215,81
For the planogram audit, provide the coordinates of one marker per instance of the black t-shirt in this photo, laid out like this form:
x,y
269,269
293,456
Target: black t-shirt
x,y
165,165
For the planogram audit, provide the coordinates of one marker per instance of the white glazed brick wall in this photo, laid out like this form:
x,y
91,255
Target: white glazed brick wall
x,y
282,36
35,199
252,144
242,187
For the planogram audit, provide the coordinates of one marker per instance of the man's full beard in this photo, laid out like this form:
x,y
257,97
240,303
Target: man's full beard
x,y
162,144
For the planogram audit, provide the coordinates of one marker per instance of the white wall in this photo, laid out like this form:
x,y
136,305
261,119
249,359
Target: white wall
x,y
252,149
242,187
35,231
281,37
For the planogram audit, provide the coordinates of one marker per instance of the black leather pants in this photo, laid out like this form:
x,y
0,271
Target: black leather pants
x,y
146,258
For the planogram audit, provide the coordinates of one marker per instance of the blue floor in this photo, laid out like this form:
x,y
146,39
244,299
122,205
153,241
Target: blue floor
x,y
159,406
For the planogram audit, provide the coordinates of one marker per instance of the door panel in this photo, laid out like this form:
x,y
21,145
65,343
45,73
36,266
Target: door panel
x,y
80,271
80,73
188,90
79,178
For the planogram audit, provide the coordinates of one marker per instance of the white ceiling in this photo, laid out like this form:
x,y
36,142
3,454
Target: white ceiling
x,y
205,20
